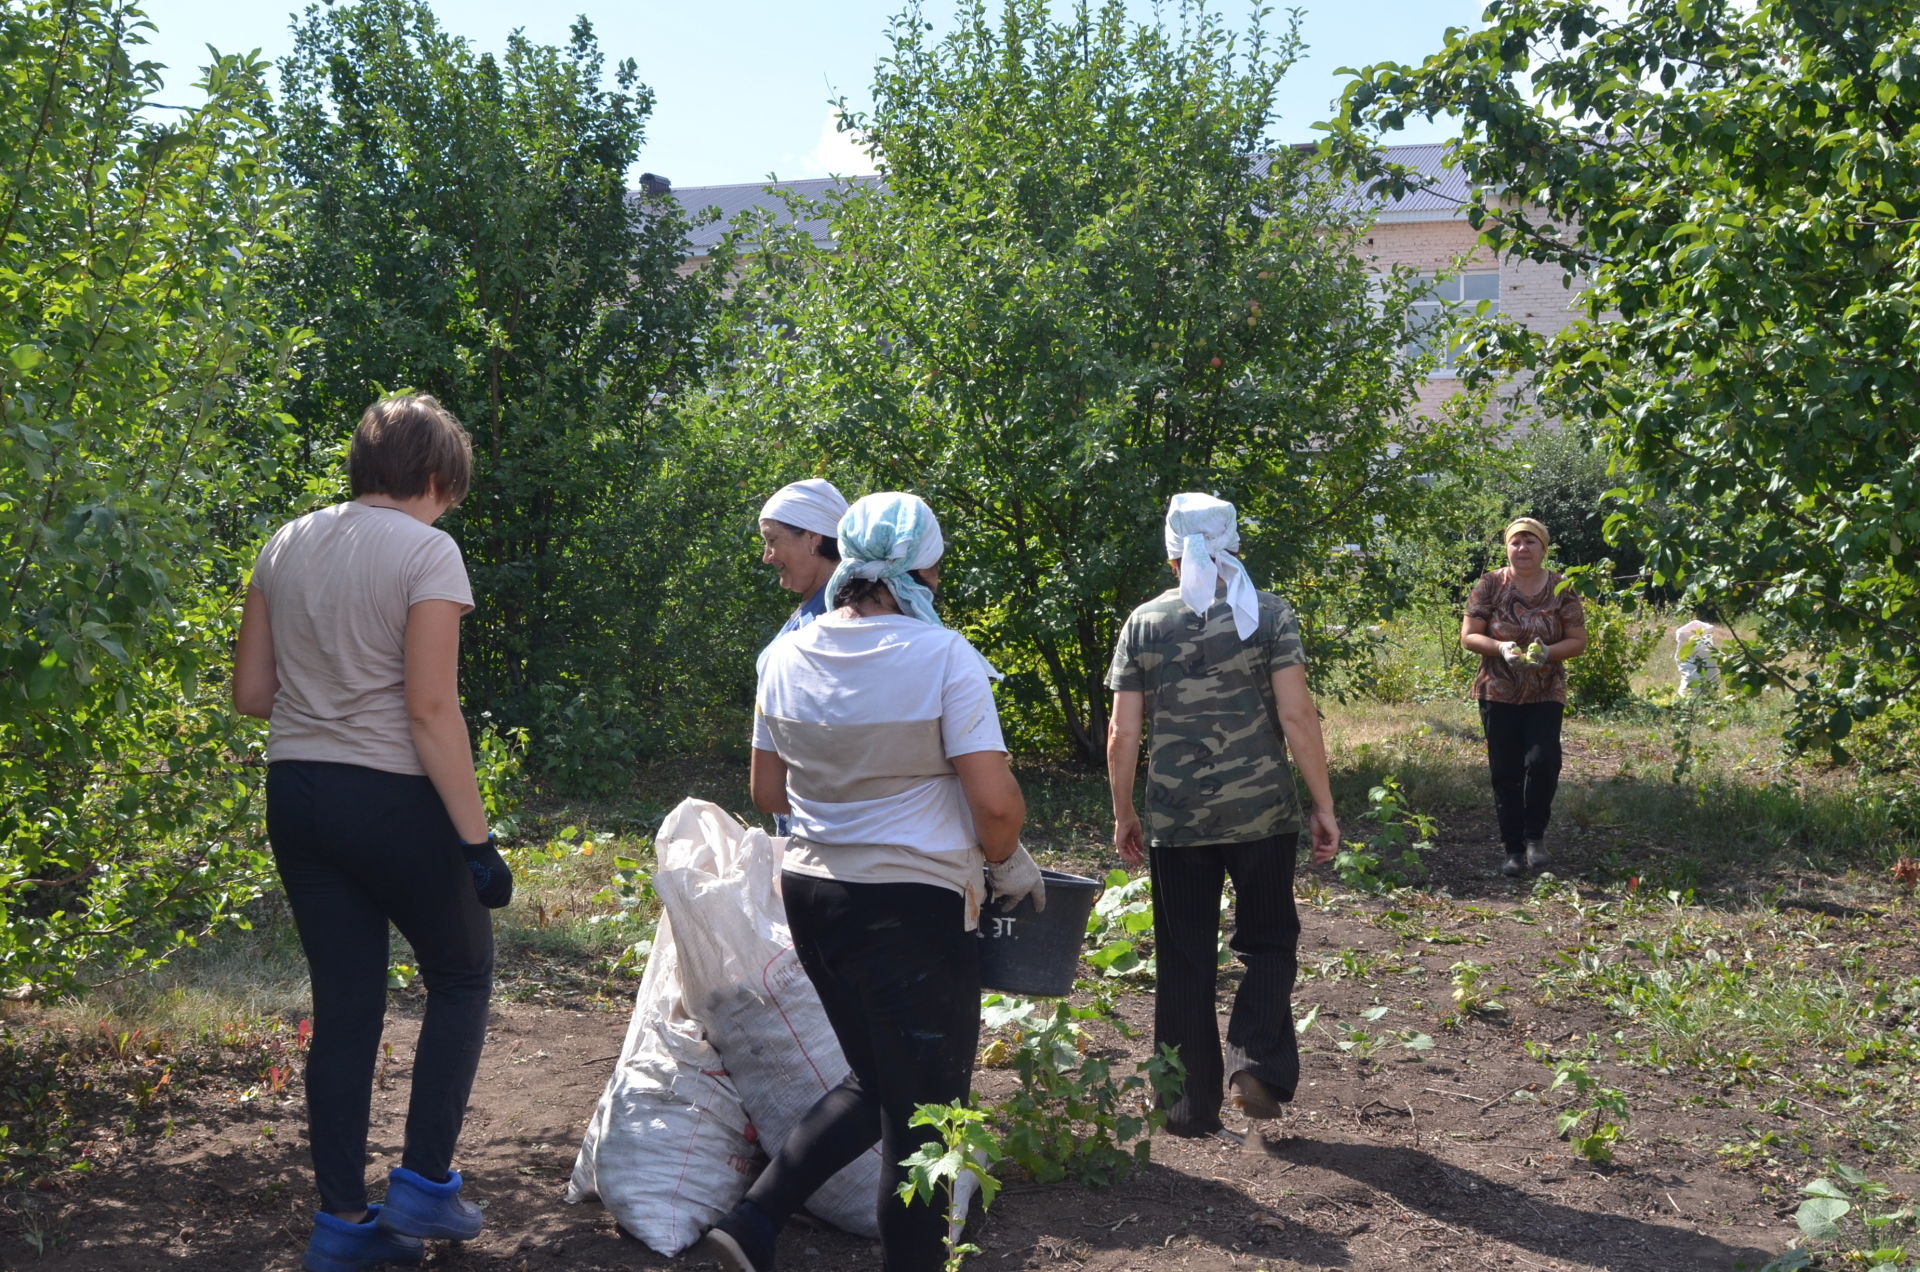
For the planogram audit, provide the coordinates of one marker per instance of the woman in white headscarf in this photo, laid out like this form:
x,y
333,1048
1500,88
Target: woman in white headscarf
x,y
875,729
798,529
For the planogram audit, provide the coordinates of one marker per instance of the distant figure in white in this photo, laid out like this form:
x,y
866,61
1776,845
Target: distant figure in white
x,y
1693,652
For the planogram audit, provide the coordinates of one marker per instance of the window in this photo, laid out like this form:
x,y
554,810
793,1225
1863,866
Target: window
x,y
1429,316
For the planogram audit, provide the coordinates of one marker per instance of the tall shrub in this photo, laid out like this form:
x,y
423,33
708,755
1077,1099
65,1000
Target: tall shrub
x,y
1092,278
138,365
467,230
1738,182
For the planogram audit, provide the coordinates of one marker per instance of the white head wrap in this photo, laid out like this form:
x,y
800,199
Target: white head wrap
x,y
883,536
1202,535
814,504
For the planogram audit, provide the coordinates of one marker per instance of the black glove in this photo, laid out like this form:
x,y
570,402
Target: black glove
x,y
491,878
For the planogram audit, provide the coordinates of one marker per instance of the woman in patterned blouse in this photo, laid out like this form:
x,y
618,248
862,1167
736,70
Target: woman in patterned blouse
x,y
1524,625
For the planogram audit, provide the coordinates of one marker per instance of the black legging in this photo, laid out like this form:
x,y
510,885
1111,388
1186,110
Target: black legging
x,y
899,976
356,848
1523,754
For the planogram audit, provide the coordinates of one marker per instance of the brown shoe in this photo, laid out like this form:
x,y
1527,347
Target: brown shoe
x,y
1255,1097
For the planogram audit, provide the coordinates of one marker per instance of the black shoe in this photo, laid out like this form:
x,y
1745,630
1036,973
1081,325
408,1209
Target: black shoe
x,y
1256,1097
1515,865
1194,1130
1537,858
742,1241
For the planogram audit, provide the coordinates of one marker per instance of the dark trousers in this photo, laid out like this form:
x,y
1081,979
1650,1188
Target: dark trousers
x,y
1523,754
899,976
1187,882
358,848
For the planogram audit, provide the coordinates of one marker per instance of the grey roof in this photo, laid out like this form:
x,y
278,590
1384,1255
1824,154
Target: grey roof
x,y
732,200
1441,203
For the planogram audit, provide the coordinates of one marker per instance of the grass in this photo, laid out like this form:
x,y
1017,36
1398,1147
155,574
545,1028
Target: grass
x,y
1707,773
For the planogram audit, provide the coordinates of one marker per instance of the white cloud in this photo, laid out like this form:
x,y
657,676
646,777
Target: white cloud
x,y
836,153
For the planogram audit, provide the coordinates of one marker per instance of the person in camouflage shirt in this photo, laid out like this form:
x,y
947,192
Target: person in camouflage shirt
x,y
1214,672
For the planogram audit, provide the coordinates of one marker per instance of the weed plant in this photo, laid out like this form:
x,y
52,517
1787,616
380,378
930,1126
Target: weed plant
x,y
1390,857
1594,1122
1853,1220
1072,1117
1120,929
967,1150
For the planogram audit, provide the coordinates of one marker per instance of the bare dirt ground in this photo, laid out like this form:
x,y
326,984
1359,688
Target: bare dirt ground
x,y
1443,1159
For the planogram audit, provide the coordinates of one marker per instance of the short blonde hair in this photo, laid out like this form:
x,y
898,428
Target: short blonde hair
x,y
406,444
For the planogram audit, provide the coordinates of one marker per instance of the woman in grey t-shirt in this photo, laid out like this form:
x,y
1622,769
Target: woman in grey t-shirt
x,y
349,645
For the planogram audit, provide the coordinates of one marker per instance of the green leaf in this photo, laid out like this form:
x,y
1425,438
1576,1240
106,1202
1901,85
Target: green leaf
x,y
1819,1217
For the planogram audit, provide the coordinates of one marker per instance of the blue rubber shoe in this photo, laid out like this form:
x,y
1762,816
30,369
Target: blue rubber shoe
x,y
418,1207
339,1246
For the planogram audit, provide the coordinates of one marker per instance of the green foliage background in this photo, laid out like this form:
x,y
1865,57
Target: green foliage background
x,y
1076,294
139,446
465,229
1739,186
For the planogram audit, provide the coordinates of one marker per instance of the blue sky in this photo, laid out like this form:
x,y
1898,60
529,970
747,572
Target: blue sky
x,y
742,87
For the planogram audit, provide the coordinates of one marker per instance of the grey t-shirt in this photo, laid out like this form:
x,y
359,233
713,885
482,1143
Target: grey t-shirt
x,y
339,583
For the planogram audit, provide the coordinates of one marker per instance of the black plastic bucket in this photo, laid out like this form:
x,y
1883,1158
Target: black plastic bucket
x,y
1036,954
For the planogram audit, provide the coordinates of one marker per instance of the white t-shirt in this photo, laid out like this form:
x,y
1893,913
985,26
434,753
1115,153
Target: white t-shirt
x,y
867,714
339,583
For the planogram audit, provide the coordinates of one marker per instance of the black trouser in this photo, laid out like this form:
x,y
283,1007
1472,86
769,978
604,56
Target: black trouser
x,y
356,848
1187,881
899,976
1523,754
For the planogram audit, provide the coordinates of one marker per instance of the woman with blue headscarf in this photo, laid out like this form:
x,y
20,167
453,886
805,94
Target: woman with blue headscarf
x,y
875,731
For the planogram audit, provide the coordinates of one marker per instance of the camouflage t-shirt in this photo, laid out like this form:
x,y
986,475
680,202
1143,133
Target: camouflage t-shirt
x,y
1217,768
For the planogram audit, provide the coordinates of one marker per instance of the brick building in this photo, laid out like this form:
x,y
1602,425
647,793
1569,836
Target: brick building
x,y
1428,231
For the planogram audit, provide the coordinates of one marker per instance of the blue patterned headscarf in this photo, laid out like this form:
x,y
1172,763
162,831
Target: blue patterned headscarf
x,y
883,536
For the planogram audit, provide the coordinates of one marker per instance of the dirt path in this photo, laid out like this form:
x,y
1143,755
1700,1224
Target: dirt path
x,y
1433,1160
1419,1164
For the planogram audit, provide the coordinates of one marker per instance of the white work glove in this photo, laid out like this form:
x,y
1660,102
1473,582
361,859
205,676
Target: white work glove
x,y
1512,652
1537,655
1015,879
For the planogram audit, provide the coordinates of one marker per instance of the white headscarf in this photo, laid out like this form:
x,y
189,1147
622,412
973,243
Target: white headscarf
x,y
1202,535
814,504
883,536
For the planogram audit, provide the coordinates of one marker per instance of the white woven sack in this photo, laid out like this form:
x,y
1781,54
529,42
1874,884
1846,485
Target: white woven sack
x,y
719,882
669,1148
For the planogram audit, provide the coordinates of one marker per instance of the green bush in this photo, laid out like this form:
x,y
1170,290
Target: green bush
x,y
1890,742
139,437
1072,1117
1560,475
1417,658
1391,856
1602,678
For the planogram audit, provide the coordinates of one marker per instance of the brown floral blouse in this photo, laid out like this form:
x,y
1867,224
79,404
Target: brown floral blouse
x,y
1522,618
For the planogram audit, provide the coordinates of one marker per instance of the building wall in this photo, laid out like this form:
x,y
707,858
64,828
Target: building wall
x,y
1530,291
